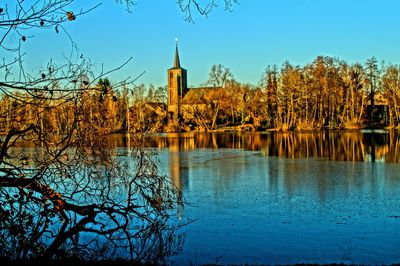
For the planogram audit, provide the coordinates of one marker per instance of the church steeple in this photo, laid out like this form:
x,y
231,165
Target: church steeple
x,y
177,86
177,63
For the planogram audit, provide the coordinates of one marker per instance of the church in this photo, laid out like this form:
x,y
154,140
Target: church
x,y
183,102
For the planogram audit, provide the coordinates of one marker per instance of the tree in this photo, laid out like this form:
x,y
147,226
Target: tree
x,y
150,93
391,90
292,84
235,100
354,96
203,8
219,75
270,84
372,73
161,94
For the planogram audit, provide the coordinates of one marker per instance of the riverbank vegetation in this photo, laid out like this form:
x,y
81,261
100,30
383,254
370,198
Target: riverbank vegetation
x,y
327,93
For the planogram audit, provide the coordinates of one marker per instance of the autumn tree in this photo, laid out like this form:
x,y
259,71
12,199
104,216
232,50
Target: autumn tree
x,y
270,85
354,95
236,96
372,74
391,90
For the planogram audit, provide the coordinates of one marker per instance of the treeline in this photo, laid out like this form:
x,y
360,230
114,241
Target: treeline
x,y
327,93
330,93
102,107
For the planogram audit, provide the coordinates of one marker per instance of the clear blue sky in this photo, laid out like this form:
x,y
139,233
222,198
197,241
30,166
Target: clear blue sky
x,y
256,34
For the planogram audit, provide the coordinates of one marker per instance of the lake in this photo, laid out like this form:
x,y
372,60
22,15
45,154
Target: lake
x,y
284,198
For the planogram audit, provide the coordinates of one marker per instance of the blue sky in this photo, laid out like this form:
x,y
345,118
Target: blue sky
x,y
256,34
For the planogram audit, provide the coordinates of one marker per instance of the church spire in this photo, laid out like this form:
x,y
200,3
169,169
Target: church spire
x,y
177,63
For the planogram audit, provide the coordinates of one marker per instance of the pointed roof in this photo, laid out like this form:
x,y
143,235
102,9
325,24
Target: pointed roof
x,y
177,63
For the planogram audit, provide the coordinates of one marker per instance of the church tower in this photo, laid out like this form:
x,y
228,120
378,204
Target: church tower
x,y
177,87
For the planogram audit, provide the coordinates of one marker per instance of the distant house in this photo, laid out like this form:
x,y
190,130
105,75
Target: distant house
x,y
378,110
183,101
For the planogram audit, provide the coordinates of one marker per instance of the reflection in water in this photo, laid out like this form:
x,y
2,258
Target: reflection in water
x,y
338,146
254,204
286,198
354,146
178,169
229,165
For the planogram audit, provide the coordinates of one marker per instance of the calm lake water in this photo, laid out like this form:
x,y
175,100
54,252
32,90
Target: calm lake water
x,y
285,198
274,198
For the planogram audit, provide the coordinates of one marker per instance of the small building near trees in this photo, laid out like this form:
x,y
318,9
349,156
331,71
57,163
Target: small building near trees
x,y
378,111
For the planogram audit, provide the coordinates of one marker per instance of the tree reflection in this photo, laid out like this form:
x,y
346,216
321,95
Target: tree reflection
x,y
355,146
226,171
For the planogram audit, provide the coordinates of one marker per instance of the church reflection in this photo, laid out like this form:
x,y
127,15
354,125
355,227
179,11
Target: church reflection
x,y
178,161
178,166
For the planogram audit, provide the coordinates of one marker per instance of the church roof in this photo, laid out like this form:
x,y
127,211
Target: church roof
x,y
203,95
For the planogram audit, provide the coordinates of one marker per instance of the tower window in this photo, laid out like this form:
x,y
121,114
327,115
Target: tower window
x,y
178,78
171,76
